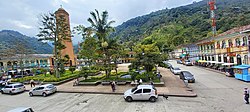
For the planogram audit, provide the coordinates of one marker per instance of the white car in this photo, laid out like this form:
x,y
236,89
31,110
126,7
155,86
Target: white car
x,y
13,88
141,92
43,90
176,71
22,109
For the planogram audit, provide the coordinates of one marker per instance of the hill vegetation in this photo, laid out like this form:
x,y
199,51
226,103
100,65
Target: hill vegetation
x,y
169,28
10,39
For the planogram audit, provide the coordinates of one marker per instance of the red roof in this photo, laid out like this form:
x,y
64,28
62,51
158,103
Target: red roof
x,y
235,30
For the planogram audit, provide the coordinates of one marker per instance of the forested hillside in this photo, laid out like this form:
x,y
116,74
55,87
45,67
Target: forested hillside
x,y
168,28
12,39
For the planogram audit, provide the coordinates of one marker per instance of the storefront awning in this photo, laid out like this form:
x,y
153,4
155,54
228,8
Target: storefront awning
x,y
182,55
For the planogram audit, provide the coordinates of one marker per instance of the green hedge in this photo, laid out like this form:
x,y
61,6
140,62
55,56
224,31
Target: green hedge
x,y
48,78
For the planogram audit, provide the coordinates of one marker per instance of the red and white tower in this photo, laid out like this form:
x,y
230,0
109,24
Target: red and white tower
x,y
212,8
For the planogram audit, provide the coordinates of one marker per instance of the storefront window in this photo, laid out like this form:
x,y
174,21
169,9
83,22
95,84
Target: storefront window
x,y
231,59
245,59
219,58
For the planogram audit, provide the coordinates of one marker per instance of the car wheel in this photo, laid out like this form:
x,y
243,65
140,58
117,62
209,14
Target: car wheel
x,y
152,99
129,99
44,94
10,92
2,92
31,94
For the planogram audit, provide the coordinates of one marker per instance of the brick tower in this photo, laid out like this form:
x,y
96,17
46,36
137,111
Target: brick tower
x,y
68,43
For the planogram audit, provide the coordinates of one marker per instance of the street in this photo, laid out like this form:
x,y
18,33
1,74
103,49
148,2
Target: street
x,y
216,93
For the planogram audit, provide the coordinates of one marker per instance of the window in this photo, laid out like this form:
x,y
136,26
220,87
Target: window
x,y
138,91
219,58
244,41
8,86
17,86
218,45
230,43
146,90
237,42
134,89
223,46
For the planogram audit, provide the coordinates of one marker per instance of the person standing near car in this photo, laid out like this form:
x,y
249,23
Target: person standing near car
x,y
32,83
246,95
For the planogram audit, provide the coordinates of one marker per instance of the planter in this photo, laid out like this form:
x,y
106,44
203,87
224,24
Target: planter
x,y
88,83
105,82
121,82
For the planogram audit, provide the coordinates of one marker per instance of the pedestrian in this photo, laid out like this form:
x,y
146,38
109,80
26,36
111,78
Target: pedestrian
x,y
246,95
113,86
140,81
32,83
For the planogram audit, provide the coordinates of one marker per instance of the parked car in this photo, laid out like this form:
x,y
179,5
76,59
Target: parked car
x,y
171,68
13,88
186,75
3,82
169,65
22,109
176,71
141,92
43,90
179,62
188,63
126,76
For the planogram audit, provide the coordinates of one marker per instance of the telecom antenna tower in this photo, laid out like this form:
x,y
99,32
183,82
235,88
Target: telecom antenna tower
x,y
212,8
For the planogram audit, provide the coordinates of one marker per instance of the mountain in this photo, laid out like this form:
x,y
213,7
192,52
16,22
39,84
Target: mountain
x,y
186,24
10,39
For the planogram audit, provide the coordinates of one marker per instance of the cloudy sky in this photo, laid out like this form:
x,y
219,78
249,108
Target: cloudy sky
x,y
22,15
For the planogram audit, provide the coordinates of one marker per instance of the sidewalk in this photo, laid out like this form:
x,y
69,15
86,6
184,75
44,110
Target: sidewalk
x,y
173,87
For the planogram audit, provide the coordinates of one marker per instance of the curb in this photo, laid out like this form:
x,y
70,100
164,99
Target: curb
x,y
111,93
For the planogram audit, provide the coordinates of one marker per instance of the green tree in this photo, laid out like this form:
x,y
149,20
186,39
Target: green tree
x,y
102,28
147,56
56,30
72,69
43,71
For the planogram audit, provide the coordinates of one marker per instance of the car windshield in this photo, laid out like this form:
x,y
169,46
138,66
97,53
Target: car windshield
x,y
177,69
50,86
187,74
134,89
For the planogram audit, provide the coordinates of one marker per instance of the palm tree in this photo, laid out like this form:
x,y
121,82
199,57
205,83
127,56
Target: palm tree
x,y
100,24
101,27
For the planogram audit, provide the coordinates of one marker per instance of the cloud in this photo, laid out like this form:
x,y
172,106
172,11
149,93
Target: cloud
x,y
22,15
21,25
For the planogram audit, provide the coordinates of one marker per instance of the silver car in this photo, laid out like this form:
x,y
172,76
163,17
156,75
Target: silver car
x,y
141,92
22,109
43,90
13,88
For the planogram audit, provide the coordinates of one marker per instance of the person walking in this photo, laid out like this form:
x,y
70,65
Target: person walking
x,y
113,86
32,83
140,81
246,95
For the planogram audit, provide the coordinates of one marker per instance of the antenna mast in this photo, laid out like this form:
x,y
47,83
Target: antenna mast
x,y
212,8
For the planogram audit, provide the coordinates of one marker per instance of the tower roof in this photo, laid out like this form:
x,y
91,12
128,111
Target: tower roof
x,y
61,10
